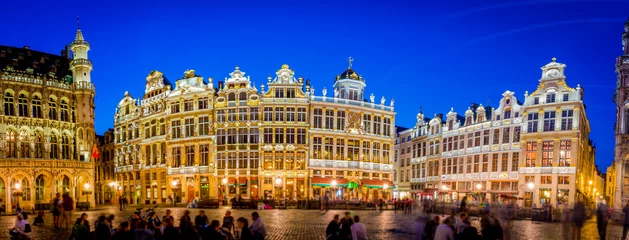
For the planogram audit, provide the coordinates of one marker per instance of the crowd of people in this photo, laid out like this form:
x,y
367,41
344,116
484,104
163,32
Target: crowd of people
x,y
346,228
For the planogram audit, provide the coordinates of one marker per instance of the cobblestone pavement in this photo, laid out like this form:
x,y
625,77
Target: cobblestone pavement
x,y
310,224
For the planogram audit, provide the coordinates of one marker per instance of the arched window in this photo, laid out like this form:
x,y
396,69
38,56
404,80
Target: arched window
x,y
11,148
243,96
231,97
25,146
36,102
39,145
39,188
2,188
65,185
22,102
52,109
54,147
507,114
25,189
65,147
9,109
65,115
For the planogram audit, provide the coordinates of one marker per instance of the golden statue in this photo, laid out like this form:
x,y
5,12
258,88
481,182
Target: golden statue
x,y
188,73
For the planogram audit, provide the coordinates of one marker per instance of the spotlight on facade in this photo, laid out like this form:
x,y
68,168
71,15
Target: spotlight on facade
x,y
531,185
386,186
479,186
333,183
444,187
224,181
278,181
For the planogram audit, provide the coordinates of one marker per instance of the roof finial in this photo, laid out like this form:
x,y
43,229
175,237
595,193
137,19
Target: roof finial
x,y
554,59
421,109
78,21
350,60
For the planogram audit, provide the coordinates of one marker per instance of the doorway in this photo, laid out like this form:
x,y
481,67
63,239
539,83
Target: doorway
x,y
190,194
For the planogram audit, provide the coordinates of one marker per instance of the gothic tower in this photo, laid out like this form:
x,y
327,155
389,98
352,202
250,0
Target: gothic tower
x,y
621,97
83,109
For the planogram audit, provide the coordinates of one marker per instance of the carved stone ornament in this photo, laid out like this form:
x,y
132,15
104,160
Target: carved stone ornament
x,y
354,123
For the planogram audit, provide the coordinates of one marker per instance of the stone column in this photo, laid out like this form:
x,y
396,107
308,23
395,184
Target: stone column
x,y
618,204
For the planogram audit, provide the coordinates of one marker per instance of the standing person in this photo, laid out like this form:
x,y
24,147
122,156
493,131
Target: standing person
x,y
54,204
102,230
345,226
359,232
184,220
121,202
578,218
332,230
625,227
68,206
461,224
444,231
153,223
258,229
420,227
431,228
602,217
80,231
242,226
463,205
228,221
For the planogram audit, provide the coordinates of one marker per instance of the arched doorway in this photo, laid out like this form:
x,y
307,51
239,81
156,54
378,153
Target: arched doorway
x,y
40,184
20,192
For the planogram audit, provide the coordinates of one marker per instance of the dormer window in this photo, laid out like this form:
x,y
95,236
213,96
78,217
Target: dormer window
x,y
468,120
550,98
450,124
566,97
536,100
480,118
507,114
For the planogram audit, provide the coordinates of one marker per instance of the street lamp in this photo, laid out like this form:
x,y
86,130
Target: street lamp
x,y
224,181
17,193
386,187
530,185
174,183
87,191
479,186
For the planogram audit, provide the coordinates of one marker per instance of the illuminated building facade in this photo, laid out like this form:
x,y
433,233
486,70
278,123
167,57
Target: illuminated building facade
x,y
105,187
537,150
47,129
196,141
621,151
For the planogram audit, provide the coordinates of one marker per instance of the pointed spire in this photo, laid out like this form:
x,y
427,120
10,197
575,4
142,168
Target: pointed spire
x,y
79,34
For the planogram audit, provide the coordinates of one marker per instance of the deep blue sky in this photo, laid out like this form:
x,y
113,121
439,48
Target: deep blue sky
x,y
438,54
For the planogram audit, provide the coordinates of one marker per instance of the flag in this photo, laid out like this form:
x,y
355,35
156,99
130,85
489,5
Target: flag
x,y
95,152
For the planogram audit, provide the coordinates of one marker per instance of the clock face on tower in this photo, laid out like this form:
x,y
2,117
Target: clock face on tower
x,y
552,73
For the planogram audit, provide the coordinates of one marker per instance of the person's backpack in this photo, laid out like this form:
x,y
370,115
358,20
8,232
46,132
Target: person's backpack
x,y
27,228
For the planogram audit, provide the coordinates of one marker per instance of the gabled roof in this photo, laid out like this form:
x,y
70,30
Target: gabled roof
x,y
21,59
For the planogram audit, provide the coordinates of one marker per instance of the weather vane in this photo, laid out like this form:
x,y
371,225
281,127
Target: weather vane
x,y
78,21
350,60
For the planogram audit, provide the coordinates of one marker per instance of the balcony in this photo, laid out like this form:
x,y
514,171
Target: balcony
x,y
351,102
339,164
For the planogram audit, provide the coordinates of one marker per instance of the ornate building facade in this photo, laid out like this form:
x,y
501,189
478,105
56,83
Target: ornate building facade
x,y
47,128
193,140
537,150
621,98
105,185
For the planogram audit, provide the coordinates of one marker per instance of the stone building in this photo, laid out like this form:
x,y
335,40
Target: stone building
x,y
47,128
193,140
402,162
537,151
621,98
105,185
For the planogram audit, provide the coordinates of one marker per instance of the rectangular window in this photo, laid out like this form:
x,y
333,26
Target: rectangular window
x,y
376,125
176,152
531,154
189,155
367,123
318,117
176,129
242,114
515,161
566,119
317,148
485,162
340,149
565,153
268,135
205,154
301,136
516,134
564,180
279,114
279,93
340,120
268,114
188,105
476,163
328,148
506,132
290,93
387,127
204,126
231,136
243,136
231,115
505,162
290,114
547,153
279,135
547,179
189,127
254,135
329,119
203,103
301,114
536,100
477,139
253,114
566,97
494,162
496,136
533,122
549,121
290,136
174,107
550,98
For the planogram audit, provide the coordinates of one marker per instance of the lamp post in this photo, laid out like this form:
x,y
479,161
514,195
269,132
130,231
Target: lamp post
x,y
87,191
278,185
174,187
224,181
114,188
17,193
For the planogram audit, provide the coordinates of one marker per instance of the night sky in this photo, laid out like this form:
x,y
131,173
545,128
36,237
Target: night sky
x,y
436,55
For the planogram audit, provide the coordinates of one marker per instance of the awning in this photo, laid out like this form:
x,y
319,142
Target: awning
x,y
368,183
429,191
326,182
509,196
